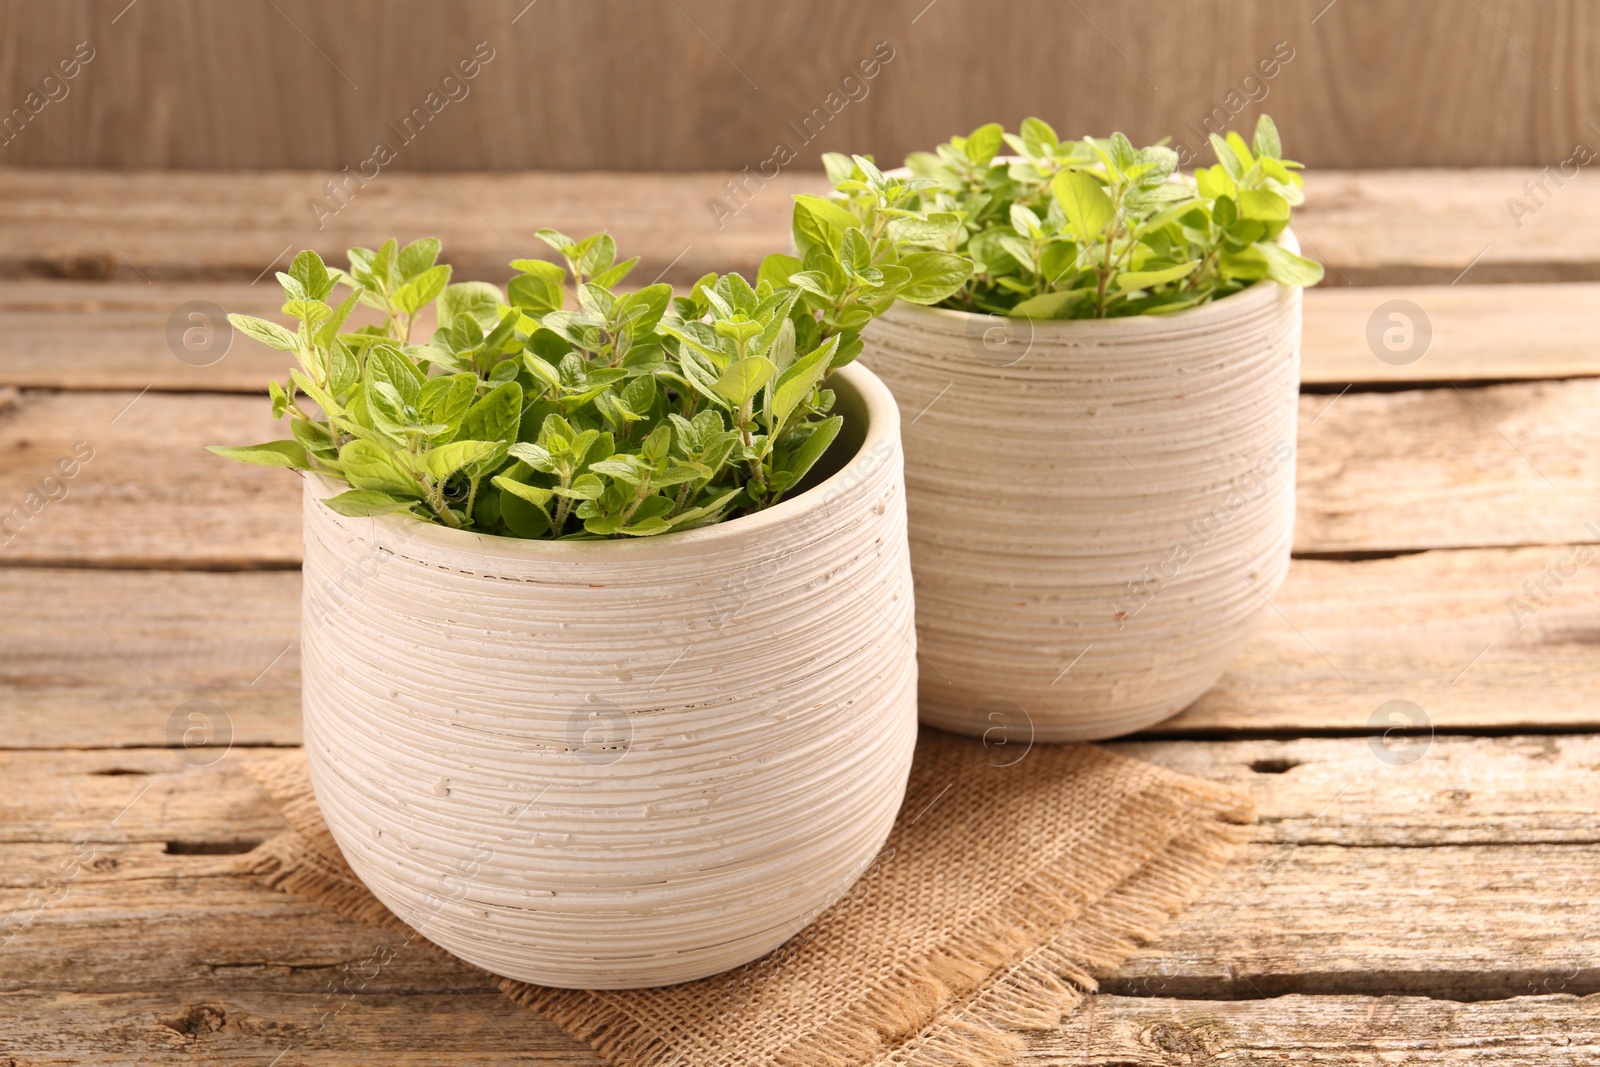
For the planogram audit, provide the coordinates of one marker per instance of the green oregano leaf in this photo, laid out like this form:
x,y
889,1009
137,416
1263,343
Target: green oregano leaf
x,y
1092,228
560,407
272,454
360,503
268,333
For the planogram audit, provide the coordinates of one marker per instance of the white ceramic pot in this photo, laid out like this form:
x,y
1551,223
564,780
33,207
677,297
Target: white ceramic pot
x,y
1099,510
619,763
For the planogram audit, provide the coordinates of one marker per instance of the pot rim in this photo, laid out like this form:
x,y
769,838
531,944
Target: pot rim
x,y
882,429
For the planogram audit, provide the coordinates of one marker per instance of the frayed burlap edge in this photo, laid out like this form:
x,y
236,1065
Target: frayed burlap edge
x,y
1023,968
1034,989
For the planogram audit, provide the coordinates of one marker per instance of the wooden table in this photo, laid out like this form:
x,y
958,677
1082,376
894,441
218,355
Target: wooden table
x,y
1433,897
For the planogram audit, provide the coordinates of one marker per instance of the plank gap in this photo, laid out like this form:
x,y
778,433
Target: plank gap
x,y
1156,733
222,847
1264,990
1359,556
115,563
1336,388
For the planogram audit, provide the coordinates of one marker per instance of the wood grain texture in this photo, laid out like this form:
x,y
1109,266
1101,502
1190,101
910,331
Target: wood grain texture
x,y
57,334
1359,880
1452,467
150,495
1560,1030
1310,919
1465,333
1314,791
155,226
109,659
1416,792
468,1026
1435,629
1505,465
716,83
1454,632
1333,919
1440,227
1406,227
473,1028
1468,873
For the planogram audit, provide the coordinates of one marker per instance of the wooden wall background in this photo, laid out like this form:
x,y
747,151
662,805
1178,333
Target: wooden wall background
x,y
714,84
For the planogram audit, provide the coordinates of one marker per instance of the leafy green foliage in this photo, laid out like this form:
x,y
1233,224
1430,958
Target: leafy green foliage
x,y
566,407
860,256
1088,229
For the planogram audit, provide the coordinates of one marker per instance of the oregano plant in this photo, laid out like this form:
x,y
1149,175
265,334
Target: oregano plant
x,y
568,406
1096,228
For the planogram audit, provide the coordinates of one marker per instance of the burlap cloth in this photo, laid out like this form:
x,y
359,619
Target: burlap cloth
x,y
1002,888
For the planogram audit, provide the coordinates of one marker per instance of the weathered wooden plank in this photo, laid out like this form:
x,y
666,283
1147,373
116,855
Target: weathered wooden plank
x,y
1458,634
1436,468
136,796
144,491
1403,792
1449,333
1435,227
1283,919
1340,792
150,226
112,659
1416,227
192,925
75,299
115,335
209,935
1436,629
1442,468
714,82
168,336
1360,878
247,1028
1560,1030
1470,922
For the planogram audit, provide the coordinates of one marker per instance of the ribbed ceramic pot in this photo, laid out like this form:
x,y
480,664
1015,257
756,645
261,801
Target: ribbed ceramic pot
x,y
619,763
1099,510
